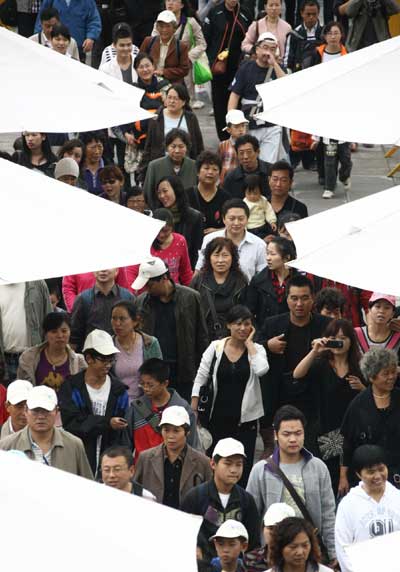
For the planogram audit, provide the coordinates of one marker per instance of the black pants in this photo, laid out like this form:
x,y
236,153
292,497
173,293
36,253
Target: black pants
x,y
105,38
220,96
26,24
246,433
332,159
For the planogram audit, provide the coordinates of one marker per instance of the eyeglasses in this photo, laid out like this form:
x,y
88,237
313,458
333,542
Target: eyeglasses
x,y
116,470
105,359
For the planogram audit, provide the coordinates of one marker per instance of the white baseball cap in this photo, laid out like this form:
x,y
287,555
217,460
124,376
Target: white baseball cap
x,y
228,447
101,342
152,268
43,397
167,16
18,391
277,512
175,415
231,529
234,117
267,37
66,166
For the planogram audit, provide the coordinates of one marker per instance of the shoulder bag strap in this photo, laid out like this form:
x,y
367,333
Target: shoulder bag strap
x,y
233,27
146,412
267,78
216,324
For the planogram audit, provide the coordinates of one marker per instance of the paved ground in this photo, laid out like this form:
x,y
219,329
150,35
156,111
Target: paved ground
x,y
368,176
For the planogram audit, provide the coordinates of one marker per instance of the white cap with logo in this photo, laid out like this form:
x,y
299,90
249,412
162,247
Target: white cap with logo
x,y
267,37
175,415
151,268
167,16
18,391
234,117
277,512
228,447
42,397
101,342
231,529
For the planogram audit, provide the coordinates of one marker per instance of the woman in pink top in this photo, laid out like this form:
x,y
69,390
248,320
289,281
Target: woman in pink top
x,y
271,23
172,248
73,285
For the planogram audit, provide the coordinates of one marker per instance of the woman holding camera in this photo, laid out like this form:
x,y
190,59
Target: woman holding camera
x,y
332,370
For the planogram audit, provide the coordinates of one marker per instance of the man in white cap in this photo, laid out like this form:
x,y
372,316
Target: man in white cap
x,y
173,314
236,126
67,171
262,69
171,469
230,541
222,498
93,307
257,560
45,443
170,55
17,394
93,402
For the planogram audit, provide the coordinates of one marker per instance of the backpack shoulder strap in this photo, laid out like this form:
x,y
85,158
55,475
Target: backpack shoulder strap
x,y
394,340
362,340
137,489
178,50
151,44
150,416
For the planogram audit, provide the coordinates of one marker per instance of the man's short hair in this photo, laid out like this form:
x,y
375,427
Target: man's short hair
x,y
299,281
118,451
121,31
288,413
176,133
134,191
60,30
156,368
234,204
111,172
207,157
306,3
331,299
247,138
366,456
48,13
89,136
282,166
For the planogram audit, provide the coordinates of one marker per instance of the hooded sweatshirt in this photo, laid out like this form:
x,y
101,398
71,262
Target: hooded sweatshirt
x,y
360,517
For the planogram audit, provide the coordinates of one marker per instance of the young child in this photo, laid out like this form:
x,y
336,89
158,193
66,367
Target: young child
x,y
262,219
236,126
230,540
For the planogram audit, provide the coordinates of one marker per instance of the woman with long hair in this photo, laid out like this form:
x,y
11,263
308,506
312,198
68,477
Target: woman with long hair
x,y
36,153
221,284
332,369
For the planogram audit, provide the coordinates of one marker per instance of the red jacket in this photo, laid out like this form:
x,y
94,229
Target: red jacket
x,y
3,412
73,285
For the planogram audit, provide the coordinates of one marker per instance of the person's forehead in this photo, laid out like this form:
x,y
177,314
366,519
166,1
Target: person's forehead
x,y
120,460
246,147
280,173
299,291
235,212
291,425
377,467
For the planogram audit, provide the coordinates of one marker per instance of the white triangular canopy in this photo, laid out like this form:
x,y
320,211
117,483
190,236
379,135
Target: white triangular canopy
x,y
355,244
52,520
379,553
353,98
42,90
51,229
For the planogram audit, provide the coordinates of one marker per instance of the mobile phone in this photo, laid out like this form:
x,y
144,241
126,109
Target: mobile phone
x,y
334,344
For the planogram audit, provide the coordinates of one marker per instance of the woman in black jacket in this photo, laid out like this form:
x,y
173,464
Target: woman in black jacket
x,y
171,195
36,153
221,284
373,417
266,292
176,113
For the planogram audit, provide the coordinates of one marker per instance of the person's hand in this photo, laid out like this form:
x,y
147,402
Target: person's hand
x,y
314,145
273,226
395,325
209,229
159,72
271,59
277,345
87,45
355,382
194,405
318,345
129,138
343,487
118,423
250,337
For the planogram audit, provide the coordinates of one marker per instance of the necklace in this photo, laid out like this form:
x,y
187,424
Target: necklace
x,y
55,363
129,347
380,396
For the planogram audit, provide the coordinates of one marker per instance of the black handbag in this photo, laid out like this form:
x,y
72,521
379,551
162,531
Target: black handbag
x,y
206,397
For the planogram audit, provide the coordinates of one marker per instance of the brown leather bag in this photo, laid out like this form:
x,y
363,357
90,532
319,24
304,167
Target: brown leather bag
x,y
219,66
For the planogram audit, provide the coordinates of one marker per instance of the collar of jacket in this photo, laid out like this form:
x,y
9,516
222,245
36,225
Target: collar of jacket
x,y
78,381
305,453
234,498
321,49
26,441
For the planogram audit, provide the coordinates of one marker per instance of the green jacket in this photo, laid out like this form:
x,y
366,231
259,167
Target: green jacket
x,y
160,168
358,18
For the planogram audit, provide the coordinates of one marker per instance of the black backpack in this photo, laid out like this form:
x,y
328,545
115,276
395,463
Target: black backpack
x,y
8,13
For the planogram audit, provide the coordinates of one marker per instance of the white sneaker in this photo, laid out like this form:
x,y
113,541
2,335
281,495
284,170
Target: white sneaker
x,y
211,113
327,194
347,184
198,104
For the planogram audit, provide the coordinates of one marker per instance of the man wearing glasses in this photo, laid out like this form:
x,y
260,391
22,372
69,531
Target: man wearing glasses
x,y
45,443
93,403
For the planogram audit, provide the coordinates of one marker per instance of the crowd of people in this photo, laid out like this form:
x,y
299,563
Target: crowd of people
x,y
213,377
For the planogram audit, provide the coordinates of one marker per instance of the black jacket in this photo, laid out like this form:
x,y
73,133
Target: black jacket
x,y
234,182
280,389
364,424
78,417
191,329
204,500
300,49
261,298
191,227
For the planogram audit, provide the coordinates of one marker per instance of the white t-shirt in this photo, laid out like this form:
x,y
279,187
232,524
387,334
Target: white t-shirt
x,y
172,123
99,398
224,499
293,471
13,318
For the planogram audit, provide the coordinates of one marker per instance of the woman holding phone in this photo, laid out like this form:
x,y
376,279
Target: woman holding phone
x,y
332,370
235,364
